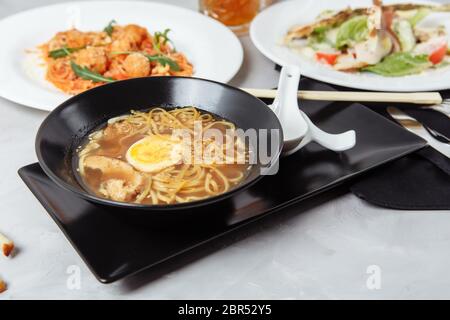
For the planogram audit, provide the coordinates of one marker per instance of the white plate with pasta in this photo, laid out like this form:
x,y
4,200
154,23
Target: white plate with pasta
x,y
50,53
325,40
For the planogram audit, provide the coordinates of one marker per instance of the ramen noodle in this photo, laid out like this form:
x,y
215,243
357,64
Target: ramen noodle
x,y
163,156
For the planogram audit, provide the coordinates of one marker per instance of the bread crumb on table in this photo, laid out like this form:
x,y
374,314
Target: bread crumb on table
x,y
6,245
2,286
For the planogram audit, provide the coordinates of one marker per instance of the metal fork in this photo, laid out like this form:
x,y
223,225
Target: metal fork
x,y
444,107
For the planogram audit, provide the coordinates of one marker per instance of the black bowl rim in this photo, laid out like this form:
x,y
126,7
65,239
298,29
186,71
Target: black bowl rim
x,y
128,205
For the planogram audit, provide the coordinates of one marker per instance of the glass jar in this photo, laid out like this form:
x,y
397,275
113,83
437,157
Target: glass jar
x,y
236,14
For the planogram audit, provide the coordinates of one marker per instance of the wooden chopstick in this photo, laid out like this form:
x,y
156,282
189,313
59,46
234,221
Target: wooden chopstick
x,y
357,96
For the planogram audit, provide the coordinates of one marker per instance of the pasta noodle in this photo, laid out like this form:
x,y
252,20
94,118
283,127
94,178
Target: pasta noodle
x,y
124,52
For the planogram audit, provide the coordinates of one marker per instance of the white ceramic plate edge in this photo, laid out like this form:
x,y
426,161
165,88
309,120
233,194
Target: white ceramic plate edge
x,y
308,69
59,97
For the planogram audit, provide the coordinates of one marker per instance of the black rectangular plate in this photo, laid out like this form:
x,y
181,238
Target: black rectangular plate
x,y
116,243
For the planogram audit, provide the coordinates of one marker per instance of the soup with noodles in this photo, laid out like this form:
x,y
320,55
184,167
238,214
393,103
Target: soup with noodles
x,y
163,156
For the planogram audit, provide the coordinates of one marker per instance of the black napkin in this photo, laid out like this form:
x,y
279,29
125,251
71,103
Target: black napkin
x,y
419,181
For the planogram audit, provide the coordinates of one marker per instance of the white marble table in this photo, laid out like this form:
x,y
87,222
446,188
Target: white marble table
x,y
324,250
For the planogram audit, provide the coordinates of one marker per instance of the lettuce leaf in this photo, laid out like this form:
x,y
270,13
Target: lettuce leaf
x,y
442,64
318,35
419,16
405,34
352,31
400,64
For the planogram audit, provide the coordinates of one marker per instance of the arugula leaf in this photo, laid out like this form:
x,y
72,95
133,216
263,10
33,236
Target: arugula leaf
x,y
85,73
110,27
400,64
63,52
161,35
164,60
352,30
160,58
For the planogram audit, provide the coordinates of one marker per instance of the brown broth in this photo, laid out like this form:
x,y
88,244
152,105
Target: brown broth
x,y
114,143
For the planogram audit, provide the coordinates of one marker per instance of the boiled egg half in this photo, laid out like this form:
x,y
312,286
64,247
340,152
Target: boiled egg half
x,y
155,153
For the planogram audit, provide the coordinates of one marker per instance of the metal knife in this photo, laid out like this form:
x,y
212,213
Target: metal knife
x,y
417,128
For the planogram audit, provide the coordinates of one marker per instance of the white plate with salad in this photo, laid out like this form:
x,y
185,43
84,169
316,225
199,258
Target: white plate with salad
x,y
389,46
24,76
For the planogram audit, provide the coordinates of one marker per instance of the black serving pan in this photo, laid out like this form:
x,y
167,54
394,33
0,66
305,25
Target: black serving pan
x,y
65,127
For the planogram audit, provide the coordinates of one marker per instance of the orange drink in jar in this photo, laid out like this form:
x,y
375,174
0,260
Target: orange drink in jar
x,y
236,14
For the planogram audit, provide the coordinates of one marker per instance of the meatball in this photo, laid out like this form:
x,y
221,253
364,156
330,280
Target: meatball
x,y
136,65
94,58
122,44
135,33
97,38
71,39
128,38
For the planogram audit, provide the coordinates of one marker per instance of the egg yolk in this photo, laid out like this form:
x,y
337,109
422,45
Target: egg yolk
x,y
154,153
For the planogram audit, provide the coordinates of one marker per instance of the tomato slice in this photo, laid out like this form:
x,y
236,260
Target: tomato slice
x,y
329,58
438,55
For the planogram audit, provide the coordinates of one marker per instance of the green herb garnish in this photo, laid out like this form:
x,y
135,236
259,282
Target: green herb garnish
x,y
160,58
161,35
63,52
164,60
85,73
110,28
